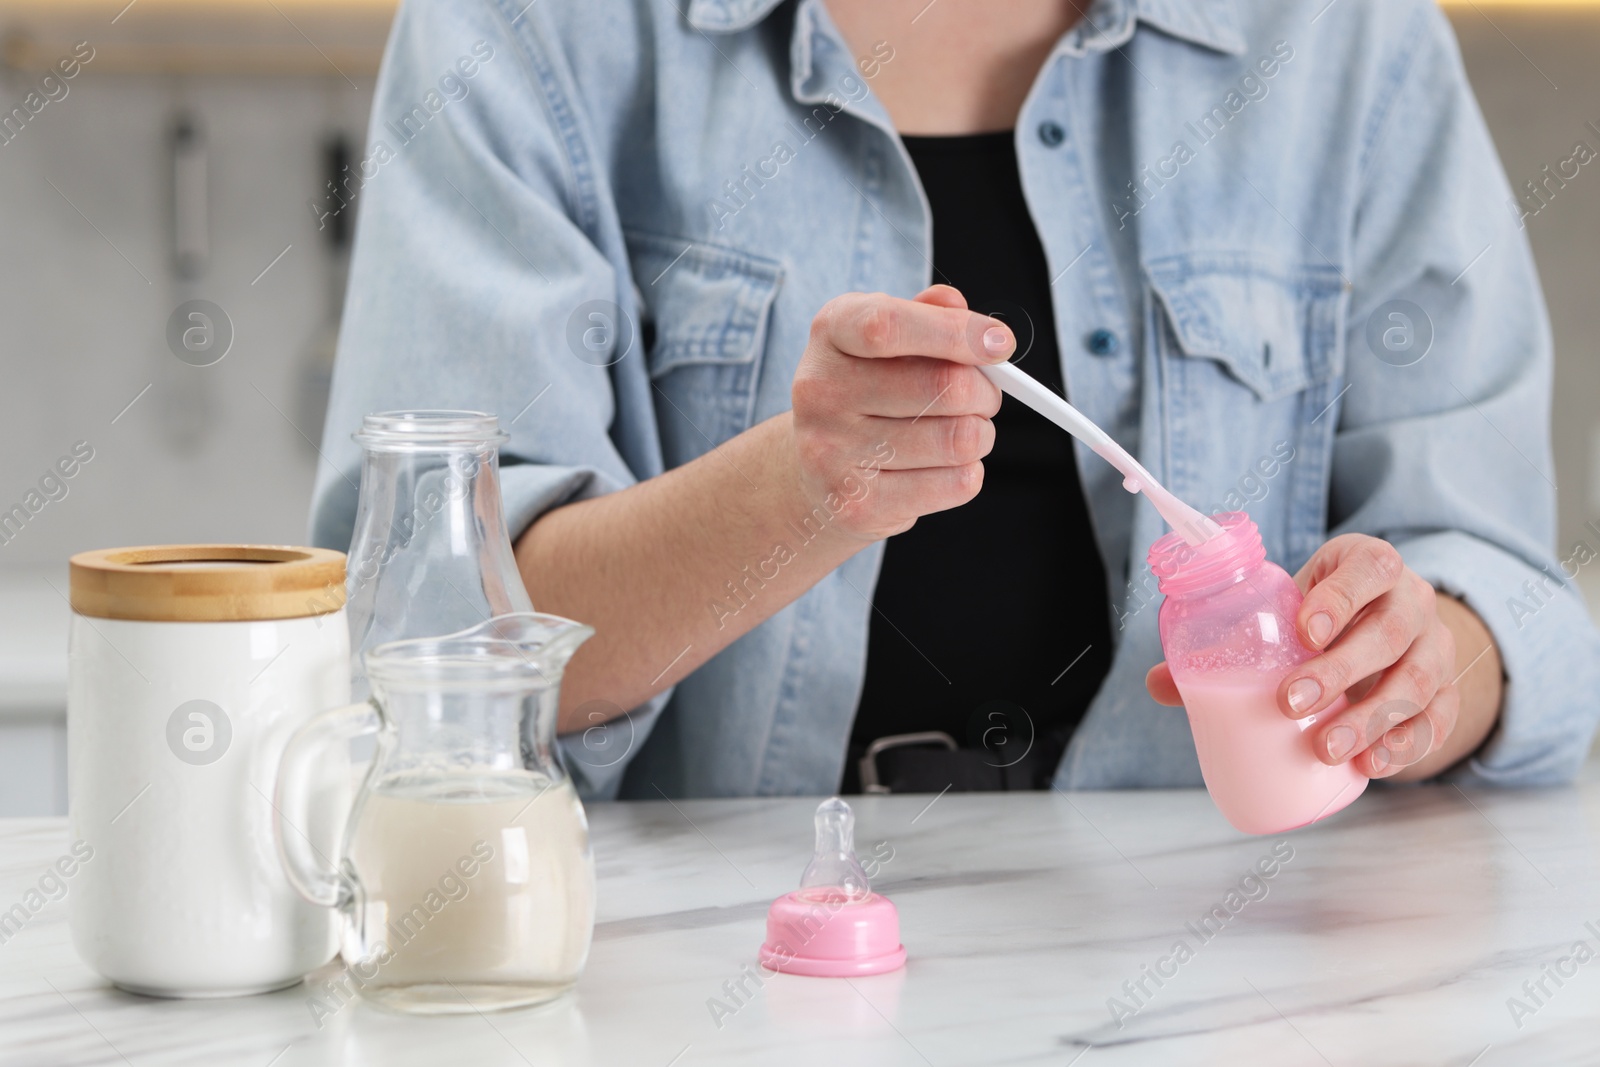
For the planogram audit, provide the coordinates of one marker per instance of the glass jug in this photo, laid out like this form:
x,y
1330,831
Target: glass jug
x,y
464,878
429,553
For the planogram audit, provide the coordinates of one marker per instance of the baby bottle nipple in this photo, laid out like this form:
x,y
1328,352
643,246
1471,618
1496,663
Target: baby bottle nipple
x,y
834,870
834,925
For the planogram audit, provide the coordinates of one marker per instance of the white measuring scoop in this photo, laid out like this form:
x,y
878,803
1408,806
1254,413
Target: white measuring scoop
x,y
1191,525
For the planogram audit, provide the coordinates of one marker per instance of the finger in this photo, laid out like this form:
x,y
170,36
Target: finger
x,y
923,492
1345,575
908,387
1377,639
1413,739
1411,683
942,296
1162,688
875,326
931,441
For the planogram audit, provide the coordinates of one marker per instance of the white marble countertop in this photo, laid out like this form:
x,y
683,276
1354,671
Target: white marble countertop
x,y
1394,935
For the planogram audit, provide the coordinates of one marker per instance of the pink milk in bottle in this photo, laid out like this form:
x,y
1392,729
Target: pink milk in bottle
x,y
1228,630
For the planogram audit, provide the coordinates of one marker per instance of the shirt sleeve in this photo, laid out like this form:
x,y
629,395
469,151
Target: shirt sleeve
x,y
1443,440
488,273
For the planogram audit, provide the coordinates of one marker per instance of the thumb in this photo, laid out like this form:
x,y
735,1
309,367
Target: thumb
x,y
945,296
1162,688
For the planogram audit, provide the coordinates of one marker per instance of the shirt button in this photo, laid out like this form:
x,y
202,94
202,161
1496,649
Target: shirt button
x,y
1051,133
1101,342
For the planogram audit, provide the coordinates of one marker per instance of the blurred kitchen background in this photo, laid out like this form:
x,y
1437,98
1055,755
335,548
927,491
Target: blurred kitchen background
x,y
182,164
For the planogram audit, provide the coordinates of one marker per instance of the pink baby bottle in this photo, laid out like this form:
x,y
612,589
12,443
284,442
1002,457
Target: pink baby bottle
x,y
1228,630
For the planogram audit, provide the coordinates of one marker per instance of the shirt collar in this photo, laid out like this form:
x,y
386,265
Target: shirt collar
x,y
1211,24
728,16
1107,24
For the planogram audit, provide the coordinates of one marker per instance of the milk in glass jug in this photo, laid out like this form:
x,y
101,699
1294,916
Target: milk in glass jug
x,y
465,880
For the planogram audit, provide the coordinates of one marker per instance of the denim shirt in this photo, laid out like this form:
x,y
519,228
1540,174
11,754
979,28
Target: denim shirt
x,y
1281,222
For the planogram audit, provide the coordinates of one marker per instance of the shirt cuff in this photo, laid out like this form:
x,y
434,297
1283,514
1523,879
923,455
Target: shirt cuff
x,y
531,489
1549,650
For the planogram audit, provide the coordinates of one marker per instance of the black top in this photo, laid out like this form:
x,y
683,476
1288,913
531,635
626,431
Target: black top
x,y
979,610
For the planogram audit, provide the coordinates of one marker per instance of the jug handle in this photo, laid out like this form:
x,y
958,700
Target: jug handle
x,y
313,875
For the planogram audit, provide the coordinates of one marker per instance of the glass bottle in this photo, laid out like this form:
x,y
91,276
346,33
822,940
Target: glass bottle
x,y
430,554
1228,631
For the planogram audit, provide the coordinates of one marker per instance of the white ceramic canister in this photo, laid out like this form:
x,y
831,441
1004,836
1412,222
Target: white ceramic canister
x,y
191,666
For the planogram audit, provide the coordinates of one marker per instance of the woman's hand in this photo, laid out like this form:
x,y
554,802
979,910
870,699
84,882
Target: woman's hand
x,y
890,422
1377,624
1388,642
891,415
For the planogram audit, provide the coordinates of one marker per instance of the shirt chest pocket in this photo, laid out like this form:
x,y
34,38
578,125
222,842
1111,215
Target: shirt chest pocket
x,y
1272,330
1251,357
705,314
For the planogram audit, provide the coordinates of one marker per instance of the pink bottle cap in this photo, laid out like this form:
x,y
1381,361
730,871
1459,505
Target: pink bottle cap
x,y
833,926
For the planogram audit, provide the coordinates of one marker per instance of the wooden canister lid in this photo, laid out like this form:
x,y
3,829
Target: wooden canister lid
x,y
207,583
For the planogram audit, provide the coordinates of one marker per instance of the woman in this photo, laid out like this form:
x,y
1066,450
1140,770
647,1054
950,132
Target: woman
x,y
695,258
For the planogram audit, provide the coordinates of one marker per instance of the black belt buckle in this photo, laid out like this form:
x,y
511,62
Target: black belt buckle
x,y
868,765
